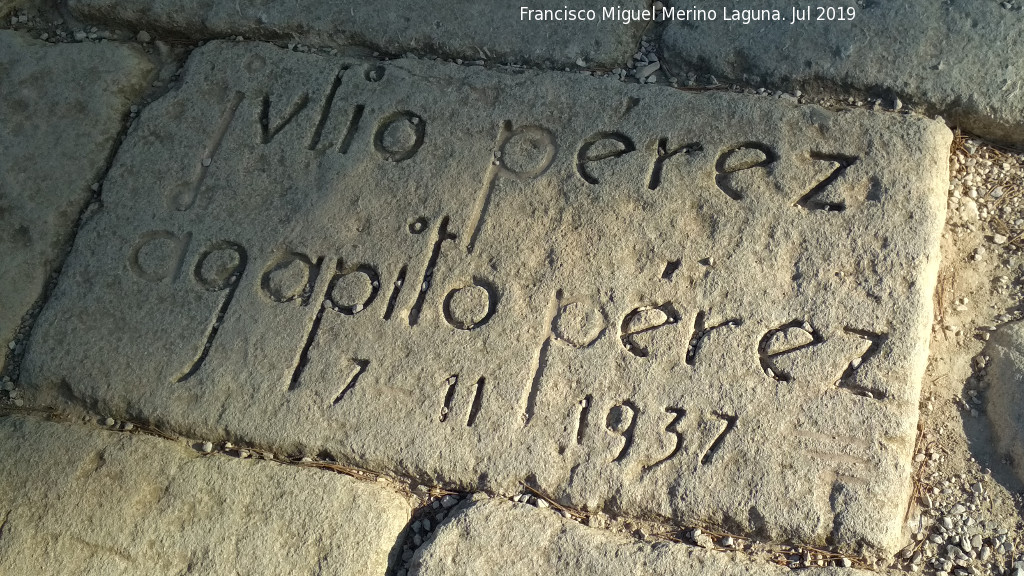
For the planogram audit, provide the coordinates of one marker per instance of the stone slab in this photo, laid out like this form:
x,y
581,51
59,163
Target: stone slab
x,y
47,166
1005,395
641,300
501,538
961,60
466,29
75,500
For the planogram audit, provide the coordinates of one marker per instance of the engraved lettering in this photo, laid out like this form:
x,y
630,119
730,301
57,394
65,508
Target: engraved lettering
x,y
849,380
701,330
638,324
395,148
471,306
621,420
359,368
786,339
744,157
728,424
672,428
351,129
354,296
291,277
812,199
443,235
579,325
353,291
663,154
584,155
186,197
163,252
325,110
539,147
540,360
267,133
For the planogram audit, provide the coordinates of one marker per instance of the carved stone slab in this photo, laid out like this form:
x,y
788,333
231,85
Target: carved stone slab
x,y
710,308
466,29
498,537
851,45
46,168
81,501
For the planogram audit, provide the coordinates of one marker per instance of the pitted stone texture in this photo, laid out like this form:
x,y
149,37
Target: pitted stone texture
x,y
452,299
957,59
500,538
47,166
80,501
1005,406
466,29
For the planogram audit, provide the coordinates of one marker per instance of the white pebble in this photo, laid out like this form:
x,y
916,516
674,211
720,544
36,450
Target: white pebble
x,y
207,447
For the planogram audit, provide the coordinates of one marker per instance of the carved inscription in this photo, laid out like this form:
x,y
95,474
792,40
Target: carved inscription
x,y
621,307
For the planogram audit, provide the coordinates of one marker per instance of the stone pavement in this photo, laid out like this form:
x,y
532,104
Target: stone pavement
x,y
47,169
692,316
77,501
586,304
958,59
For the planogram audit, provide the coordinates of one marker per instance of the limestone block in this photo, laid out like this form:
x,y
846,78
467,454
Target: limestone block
x,y
87,502
957,59
710,308
61,108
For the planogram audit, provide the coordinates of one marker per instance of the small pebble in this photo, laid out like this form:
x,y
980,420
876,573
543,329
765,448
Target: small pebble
x,y
108,422
207,447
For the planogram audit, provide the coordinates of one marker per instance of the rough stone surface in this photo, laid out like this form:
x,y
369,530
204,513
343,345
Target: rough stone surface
x,y
1005,406
46,167
957,59
499,537
80,501
473,278
465,29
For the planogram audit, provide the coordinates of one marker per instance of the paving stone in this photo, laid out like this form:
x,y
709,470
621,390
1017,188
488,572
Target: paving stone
x,y
80,501
499,537
1005,395
464,29
47,167
957,59
477,278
